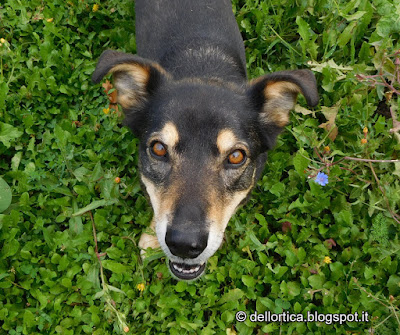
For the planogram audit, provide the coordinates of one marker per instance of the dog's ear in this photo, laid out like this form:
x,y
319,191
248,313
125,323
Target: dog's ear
x,y
135,80
274,95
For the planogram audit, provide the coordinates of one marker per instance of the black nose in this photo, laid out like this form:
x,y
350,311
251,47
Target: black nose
x,y
186,243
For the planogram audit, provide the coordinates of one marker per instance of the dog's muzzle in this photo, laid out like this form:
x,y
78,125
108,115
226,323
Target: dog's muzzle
x,y
186,242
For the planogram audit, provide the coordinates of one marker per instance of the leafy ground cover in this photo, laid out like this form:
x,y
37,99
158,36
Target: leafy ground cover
x,y
320,234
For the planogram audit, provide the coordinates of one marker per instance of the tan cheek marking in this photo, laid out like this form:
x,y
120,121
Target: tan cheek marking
x,y
163,201
154,195
222,209
169,134
226,139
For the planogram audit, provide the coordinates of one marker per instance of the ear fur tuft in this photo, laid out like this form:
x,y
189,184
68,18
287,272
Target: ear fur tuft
x,y
134,77
277,93
274,95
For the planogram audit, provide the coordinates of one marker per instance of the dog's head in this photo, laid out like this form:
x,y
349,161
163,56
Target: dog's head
x,y
203,145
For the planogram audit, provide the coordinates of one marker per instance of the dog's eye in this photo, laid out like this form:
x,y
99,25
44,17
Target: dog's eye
x,y
158,149
237,157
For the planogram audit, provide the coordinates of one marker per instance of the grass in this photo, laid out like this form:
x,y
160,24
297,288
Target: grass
x,y
294,247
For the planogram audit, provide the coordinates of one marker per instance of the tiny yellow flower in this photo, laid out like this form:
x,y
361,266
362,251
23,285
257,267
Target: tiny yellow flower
x,y
327,148
50,20
95,7
126,329
364,140
327,260
365,130
2,40
140,287
106,110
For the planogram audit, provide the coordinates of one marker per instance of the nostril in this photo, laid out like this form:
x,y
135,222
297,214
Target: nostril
x,y
186,244
195,250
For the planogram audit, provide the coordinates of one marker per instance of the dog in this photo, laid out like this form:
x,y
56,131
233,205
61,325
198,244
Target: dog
x,y
204,130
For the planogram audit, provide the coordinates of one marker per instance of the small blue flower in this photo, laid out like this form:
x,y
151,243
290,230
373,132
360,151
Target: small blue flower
x,y
321,179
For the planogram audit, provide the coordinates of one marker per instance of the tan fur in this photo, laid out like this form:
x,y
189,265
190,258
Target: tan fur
x,y
139,73
275,90
275,115
142,71
280,99
170,137
131,92
130,82
222,209
163,201
169,134
149,240
226,140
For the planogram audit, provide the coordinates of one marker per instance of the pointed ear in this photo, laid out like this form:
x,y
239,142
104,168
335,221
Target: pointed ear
x,y
274,95
135,79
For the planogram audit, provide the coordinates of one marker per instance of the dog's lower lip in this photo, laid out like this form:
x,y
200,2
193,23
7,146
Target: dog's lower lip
x,y
186,271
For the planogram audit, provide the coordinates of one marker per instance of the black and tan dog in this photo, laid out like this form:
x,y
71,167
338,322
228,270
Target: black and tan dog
x,y
204,130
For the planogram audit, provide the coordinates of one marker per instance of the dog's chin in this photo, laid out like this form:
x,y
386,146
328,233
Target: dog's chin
x,y
185,271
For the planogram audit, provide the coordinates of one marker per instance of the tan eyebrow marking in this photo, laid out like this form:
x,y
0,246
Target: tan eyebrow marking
x,y
169,134
226,139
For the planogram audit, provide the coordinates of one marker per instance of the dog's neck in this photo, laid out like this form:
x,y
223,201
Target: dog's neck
x,y
207,61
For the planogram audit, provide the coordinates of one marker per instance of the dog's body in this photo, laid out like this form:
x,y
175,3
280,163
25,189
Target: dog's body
x,y
204,131
191,39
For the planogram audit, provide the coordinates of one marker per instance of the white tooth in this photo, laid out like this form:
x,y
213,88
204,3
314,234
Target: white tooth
x,y
197,268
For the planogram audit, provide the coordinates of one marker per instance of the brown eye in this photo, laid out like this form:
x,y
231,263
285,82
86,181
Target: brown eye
x,y
237,157
158,149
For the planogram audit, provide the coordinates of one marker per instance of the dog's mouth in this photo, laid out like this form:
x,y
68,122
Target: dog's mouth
x,y
186,271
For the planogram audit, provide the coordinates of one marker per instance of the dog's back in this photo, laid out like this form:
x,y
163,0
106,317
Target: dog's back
x,y
191,38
